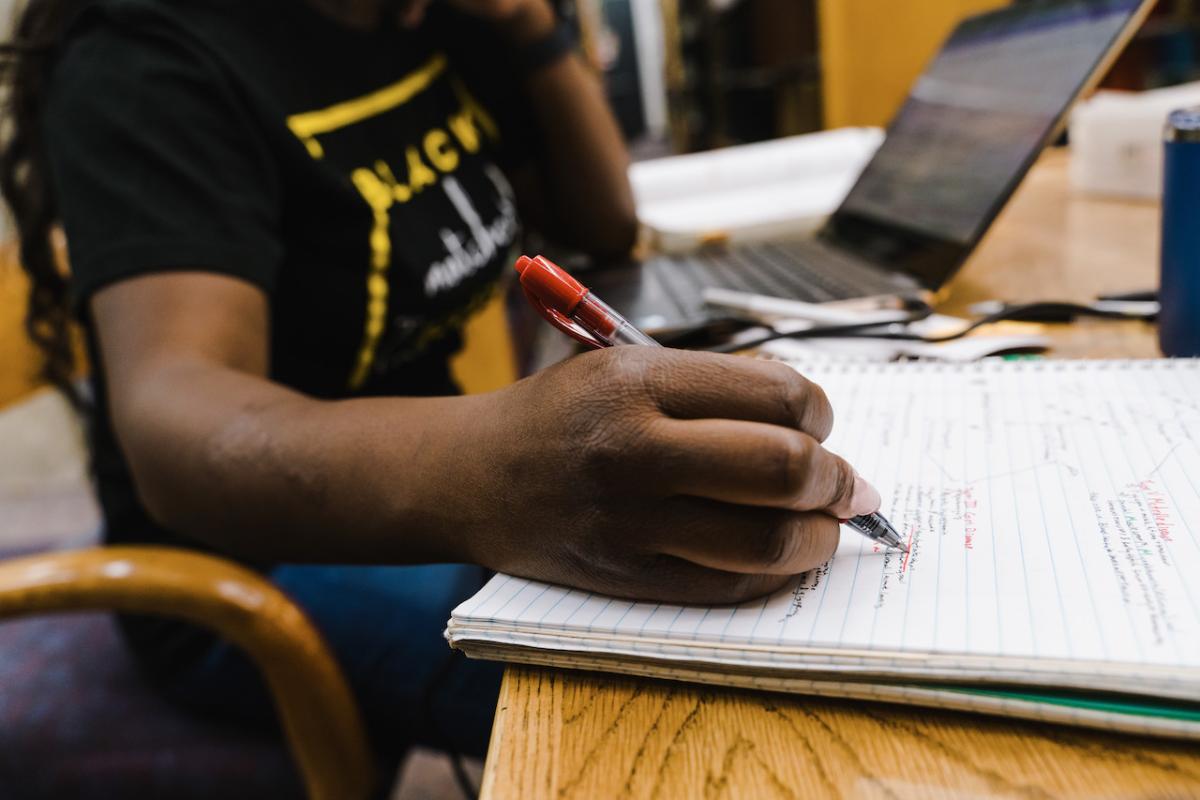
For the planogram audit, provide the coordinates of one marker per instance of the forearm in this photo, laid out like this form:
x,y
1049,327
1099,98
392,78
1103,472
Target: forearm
x,y
583,163
263,472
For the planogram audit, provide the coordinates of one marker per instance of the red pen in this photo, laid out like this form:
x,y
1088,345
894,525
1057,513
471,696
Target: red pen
x,y
571,307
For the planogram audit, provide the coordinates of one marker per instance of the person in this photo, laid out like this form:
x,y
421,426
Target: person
x,y
278,214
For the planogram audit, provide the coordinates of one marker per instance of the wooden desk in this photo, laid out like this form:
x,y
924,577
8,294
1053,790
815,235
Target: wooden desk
x,y
1049,244
578,735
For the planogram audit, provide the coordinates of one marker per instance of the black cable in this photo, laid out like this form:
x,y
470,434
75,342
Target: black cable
x,y
887,330
851,330
1128,297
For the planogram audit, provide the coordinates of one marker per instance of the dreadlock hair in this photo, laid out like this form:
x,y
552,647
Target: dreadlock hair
x,y
25,181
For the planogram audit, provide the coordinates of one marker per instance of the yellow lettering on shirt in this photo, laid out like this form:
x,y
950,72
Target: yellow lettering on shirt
x,y
380,187
475,109
439,151
400,192
379,197
464,130
419,175
310,124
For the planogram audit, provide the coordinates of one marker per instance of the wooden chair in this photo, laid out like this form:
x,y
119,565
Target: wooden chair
x,y
318,714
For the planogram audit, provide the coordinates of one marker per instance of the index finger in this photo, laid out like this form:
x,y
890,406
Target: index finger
x,y
712,386
759,465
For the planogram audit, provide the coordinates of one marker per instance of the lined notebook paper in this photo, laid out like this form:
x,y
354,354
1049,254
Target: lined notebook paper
x,y
1053,515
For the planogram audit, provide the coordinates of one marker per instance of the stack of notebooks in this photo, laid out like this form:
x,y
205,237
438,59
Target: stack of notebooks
x,y
1053,515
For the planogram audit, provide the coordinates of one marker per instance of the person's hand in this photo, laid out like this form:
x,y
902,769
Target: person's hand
x,y
663,475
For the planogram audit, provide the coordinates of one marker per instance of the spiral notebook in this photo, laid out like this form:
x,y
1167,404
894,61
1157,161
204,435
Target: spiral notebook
x,y
1052,511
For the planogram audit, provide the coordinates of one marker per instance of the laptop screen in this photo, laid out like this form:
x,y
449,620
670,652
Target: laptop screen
x,y
981,112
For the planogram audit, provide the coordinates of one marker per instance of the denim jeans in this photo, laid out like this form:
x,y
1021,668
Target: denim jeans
x,y
384,626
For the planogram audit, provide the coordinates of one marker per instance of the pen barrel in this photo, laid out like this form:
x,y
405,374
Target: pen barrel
x,y
868,526
607,325
876,528
628,334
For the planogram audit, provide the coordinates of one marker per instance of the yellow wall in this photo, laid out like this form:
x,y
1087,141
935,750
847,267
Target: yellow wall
x,y
488,358
872,50
19,359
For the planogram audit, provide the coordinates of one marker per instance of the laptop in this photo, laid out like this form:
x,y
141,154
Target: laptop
x,y
974,123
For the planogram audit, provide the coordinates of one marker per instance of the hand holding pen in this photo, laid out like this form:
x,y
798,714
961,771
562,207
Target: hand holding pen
x,y
654,474
571,307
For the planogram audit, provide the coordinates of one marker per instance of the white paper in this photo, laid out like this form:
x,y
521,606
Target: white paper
x,y
981,344
1053,512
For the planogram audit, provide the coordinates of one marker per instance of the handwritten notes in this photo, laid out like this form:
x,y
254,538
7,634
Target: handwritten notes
x,y
1053,516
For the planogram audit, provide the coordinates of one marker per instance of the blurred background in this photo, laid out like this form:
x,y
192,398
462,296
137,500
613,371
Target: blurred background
x,y
689,75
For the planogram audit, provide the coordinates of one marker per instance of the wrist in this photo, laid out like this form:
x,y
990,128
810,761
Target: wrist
x,y
432,486
481,450
503,483
531,22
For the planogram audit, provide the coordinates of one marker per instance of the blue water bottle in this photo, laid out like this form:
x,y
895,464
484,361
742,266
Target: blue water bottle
x,y
1179,292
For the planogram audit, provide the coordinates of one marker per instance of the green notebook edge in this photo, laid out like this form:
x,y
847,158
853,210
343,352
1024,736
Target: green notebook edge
x,y
1131,707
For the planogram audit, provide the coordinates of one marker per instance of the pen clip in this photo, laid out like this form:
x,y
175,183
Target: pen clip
x,y
564,323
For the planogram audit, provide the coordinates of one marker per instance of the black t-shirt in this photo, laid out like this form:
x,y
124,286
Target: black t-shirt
x,y
355,177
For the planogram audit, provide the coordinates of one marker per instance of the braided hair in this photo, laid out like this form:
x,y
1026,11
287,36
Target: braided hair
x,y
26,184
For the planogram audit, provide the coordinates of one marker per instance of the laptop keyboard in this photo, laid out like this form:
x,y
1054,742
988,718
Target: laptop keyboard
x,y
801,270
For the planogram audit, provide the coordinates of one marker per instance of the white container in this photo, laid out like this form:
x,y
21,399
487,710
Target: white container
x,y
1116,140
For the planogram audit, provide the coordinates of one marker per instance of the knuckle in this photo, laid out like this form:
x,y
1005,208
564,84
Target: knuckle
x,y
807,404
670,579
606,450
611,429
843,487
627,369
819,420
793,394
705,373
816,539
729,588
794,465
747,587
775,545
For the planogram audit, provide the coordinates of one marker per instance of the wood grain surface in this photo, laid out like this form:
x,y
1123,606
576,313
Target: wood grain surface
x,y
579,735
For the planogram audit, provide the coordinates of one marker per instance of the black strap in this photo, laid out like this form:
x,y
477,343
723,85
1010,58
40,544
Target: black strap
x,y
548,50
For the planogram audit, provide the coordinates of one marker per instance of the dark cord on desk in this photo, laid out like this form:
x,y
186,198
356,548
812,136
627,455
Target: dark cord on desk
x,y
895,330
